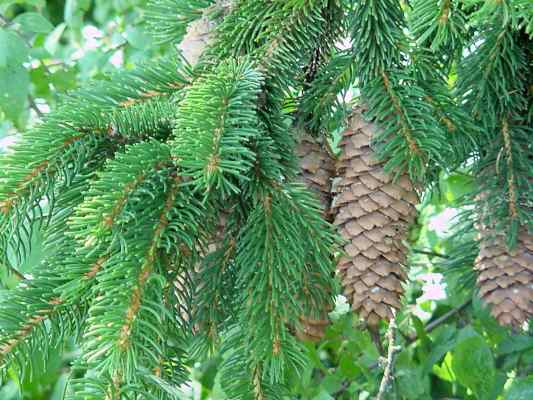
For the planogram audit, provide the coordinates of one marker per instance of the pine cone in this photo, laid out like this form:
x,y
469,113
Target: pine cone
x,y
373,214
505,279
199,34
317,168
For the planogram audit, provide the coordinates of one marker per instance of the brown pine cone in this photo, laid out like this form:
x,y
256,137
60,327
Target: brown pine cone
x,y
505,279
317,168
373,215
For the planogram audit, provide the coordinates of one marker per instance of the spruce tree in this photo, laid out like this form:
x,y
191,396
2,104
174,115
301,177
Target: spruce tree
x,y
198,203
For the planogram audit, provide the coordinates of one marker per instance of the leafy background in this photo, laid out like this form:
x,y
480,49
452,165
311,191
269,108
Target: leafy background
x,y
449,346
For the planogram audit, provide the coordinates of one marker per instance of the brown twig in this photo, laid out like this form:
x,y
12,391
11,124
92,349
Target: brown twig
x,y
389,361
444,317
429,327
430,253
34,106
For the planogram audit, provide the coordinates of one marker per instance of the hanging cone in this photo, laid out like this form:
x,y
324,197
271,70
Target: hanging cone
x,y
505,279
317,168
373,215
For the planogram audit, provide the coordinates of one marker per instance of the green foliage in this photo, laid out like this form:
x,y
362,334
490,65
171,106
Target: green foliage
x,y
83,135
168,19
493,85
440,26
215,152
54,46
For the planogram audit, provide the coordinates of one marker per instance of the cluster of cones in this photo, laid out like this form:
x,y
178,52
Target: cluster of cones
x,y
373,213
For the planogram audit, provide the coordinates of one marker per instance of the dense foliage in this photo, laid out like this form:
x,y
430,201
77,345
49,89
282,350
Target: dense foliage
x,y
158,243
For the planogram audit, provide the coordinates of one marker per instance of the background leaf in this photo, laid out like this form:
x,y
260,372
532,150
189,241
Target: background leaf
x,y
473,364
34,22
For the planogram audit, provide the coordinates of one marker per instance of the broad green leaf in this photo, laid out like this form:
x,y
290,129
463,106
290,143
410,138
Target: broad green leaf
x,y
65,79
443,343
473,365
444,371
138,39
412,382
15,83
497,387
520,389
92,63
515,343
348,365
13,50
332,383
34,22
52,40
40,82
323,395
74,10
456,185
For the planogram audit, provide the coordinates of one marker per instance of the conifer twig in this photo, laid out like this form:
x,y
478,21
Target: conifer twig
x,y
392,349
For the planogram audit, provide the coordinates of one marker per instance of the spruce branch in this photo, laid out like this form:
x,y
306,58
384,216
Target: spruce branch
x,y
26,329
493,86
146,269
81,132
168,19
511,186
440,26
211,136
323,100
405,129
413,141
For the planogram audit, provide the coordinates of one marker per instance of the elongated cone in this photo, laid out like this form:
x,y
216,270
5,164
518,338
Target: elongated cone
x,y
505,279
317,168
373,215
